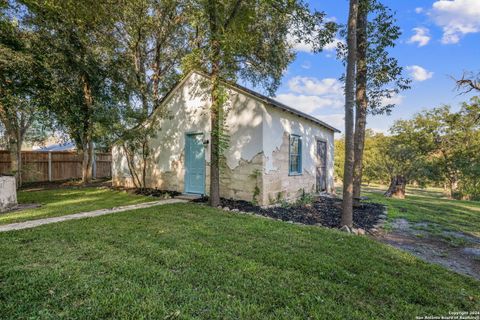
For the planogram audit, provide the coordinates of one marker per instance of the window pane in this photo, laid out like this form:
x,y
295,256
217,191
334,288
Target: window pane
x,y
294,164
295,158
293,145
298,167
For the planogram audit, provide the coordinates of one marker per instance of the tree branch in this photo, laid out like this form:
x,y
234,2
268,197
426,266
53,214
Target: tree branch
x,y
232,14
468,84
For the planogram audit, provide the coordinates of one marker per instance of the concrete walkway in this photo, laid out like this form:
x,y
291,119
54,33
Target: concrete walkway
x,y
81,215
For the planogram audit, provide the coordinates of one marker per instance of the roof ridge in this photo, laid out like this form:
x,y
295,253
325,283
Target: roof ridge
x,y
269,100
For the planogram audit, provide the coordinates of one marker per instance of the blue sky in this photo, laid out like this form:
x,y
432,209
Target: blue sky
x,y
440,39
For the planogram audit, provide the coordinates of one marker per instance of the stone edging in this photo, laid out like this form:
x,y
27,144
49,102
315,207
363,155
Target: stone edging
x,y
356,231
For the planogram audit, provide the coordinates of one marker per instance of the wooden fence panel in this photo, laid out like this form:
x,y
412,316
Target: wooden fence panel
x,y
103,164
4,162
41,166
66,164
34,166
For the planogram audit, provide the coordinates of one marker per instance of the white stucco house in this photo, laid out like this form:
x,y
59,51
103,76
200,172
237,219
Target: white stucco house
x,y
275,152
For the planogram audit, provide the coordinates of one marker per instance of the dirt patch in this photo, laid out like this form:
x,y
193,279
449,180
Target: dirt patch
x,y
325,211
433,249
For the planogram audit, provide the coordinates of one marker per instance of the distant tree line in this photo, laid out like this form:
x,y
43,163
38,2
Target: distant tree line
x,y
437,147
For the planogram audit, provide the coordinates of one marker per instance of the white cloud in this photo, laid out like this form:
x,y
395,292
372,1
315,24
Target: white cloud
x,y
300,46
308,103
311,94
330,19
307,47
336,120
418,73
418,10
457,18
395,99
421,36
314,86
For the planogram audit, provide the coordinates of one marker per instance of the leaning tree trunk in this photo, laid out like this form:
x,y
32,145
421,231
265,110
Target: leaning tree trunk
x,y
347,210
362,100
397,187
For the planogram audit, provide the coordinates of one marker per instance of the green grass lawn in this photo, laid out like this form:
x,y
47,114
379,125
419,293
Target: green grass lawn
x,y
429,205
59,202
186,261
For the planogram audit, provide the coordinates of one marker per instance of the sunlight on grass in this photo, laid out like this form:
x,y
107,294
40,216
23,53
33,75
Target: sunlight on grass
x,y
204,263
430,206
58,202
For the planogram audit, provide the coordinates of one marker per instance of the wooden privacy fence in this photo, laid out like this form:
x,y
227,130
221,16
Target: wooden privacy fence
x,y
40,166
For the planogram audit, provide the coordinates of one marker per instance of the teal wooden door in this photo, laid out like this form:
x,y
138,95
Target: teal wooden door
x,y
194,164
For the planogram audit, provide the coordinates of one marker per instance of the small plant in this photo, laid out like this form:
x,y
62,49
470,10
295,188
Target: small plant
x,y
280,197
305,199
285,204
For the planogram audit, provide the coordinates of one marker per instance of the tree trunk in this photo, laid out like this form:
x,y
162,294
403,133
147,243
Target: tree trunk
x,y
145,154
87,162
87,140
397,187
347,210
452,186
215,145
362,100
215,107
15,148
130,157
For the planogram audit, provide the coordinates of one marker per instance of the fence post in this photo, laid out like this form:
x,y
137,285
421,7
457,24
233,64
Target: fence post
x,y
49,166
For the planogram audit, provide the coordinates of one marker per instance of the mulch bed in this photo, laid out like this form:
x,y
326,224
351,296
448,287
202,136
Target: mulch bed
x,y
324,210
157,193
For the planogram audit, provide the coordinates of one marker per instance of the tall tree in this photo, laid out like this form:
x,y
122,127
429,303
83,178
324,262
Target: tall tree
x,y
361,97
250,40
152,39
347,210
22,78
379,77
77,36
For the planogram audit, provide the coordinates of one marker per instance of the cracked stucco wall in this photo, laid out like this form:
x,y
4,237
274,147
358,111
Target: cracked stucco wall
x,y
258,143
277,181
189,111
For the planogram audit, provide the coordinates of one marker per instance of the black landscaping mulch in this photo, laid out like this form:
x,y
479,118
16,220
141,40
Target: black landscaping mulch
x,y
157,193
324,210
